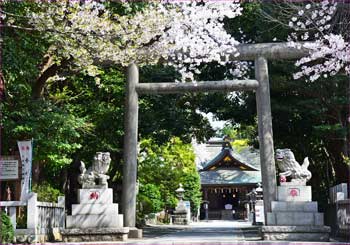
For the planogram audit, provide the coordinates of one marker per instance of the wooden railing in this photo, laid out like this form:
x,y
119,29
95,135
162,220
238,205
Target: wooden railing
x,y
43,218
338,192
343,218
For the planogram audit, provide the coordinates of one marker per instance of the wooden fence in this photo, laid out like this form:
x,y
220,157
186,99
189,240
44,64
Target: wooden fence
x,y
44,219
338,211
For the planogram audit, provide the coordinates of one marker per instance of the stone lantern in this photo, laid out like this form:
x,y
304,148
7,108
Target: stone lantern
x,y
180,192
180,208
181,212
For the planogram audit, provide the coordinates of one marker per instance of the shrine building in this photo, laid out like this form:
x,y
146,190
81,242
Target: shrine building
x,y
226,179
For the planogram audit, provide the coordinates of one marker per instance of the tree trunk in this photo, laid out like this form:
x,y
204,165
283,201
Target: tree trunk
x,y
2,80
340,167
49,69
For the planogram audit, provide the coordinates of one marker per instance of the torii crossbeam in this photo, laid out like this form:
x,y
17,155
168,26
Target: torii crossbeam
x,y
260,53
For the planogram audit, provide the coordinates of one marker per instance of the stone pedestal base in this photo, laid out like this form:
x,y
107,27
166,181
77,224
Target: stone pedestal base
x,y
294,217
296,233
294,193
95,234
180,218
135,233
95,218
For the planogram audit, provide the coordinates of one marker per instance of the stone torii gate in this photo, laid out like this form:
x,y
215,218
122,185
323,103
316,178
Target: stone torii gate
x,y
260,54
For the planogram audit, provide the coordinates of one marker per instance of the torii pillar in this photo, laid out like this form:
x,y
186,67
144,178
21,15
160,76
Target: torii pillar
x,y
130,147
266,146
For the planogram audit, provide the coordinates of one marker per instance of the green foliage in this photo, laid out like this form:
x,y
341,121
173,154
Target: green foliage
x,y
46,193
79,115
309,118
241,136
101,105
55,131
255,27
192,185
144,207
7,232
240,144
149,198
175,114
346,160
22,51
168,165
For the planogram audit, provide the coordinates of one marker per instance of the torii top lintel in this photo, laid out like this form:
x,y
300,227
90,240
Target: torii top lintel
x,y
275,51
270,51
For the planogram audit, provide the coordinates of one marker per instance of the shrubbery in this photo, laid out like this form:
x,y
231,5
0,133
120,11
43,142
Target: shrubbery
x,y
46,193
150,199
161,169
7,232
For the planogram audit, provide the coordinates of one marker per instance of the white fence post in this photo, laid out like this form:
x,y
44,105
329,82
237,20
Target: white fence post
x,y
62,202
32,211
12,214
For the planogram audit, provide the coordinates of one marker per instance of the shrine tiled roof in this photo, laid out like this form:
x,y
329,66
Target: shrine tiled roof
x,y
229,166
228,158
229,176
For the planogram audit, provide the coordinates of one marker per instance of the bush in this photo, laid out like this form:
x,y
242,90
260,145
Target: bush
x,y
7,232
144,205
46,193
192,186
150,199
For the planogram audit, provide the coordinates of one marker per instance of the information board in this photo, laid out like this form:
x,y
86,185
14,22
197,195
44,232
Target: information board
x,y
8,169
188,208
259,212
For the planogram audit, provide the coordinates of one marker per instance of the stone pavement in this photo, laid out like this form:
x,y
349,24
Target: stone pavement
x,y
212,232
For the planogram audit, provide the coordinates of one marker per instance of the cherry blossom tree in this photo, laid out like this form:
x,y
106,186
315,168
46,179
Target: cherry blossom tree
x,y
321,27
84,34
314,22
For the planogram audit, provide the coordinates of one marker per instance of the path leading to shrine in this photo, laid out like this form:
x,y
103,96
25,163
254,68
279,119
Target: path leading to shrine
x,y
203,233
211,231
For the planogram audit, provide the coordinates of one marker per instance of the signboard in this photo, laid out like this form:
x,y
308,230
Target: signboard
x,y
188,209
25,150
259,212
8,169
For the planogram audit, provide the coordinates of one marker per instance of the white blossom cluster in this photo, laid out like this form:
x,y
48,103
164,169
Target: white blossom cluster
x,y
183,34
198,35
332,50
329,53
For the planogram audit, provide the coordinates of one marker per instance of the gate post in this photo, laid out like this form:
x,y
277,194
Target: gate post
x,y
267,158
130,147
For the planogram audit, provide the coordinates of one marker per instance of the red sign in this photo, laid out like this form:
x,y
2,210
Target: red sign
x,y
294,192
94,195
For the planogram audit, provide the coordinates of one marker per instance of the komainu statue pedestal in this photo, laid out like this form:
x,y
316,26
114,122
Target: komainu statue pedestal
x,y
95,217
295,216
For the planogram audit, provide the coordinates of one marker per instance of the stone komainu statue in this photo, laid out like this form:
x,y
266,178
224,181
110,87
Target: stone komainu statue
x,y
95,176
290,167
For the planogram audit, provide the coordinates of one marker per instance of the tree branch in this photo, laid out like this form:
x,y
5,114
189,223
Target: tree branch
x,y
49,69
